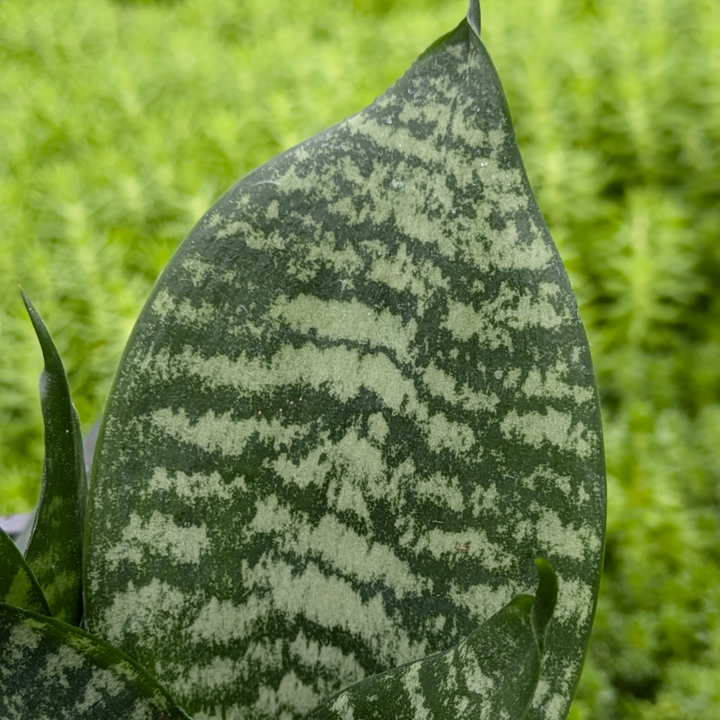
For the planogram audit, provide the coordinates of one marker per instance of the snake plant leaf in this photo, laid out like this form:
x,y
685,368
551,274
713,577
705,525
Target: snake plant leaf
x,y
357,404
492,674
49,669
18,585
54,551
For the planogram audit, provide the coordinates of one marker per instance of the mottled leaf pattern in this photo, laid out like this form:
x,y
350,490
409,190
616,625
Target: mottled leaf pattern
x,y
357,405
54,552
49,669
492,675
18,585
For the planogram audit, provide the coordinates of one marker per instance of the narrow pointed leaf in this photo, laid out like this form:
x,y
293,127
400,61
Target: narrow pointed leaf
x,y
18,585
54,551
357,404
49,669
492,674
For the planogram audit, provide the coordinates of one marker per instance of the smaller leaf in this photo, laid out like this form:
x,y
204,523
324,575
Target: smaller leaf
x,y
54,552
18,585
491,674
53,670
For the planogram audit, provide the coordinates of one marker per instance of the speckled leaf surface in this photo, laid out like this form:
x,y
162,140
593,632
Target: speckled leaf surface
x,y
49,669
357,405
54,551
18,585
491,675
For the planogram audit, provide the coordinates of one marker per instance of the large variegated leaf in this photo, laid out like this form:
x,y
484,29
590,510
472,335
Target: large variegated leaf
x,y
18,585
357,404
49,669
54,551
491,675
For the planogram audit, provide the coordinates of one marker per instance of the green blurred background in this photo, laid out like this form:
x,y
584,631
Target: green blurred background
x,y
121,123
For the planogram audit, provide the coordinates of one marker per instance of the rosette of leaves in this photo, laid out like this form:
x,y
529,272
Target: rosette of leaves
x,y
356,407
48,667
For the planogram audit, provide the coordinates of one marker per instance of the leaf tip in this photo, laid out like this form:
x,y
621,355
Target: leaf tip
x,y
524,603
32,312
473,16
26,300
43,335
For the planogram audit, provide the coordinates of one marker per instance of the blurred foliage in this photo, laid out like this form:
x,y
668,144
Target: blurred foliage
x,y
122,121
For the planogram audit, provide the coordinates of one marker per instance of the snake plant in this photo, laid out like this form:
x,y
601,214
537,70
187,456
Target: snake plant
x,y
351,464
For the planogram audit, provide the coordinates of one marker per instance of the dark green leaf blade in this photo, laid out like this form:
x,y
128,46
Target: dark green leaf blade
x,y
491,674
18,585
546,599
356,406
54,552
49,669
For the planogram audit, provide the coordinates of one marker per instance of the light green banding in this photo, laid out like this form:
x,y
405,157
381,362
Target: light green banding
x,y
350,321
162,536
183,312
348,552
555,428
552,385
222,434
472,544
193,486
148,611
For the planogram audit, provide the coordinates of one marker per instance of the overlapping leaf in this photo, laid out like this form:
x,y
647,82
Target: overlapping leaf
x,y
357,404
492,674
49,669
18,585
54,551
